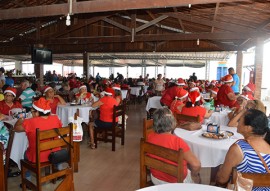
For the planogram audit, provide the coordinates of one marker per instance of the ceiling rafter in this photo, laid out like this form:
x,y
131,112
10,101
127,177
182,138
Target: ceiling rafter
x,y
118,25
215,16
97,6
150,23
179,20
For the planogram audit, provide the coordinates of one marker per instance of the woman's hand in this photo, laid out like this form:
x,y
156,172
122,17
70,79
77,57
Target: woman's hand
x,y
196,178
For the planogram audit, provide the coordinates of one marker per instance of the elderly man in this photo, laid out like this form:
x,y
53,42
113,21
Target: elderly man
x,y
225,95
27,95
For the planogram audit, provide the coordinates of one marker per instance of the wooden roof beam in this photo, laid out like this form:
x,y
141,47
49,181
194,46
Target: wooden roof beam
x,y
215,15
179,20
118,25
97,6
150,23
220,25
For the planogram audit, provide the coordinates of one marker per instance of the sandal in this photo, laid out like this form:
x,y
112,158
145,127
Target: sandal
x,y
92,145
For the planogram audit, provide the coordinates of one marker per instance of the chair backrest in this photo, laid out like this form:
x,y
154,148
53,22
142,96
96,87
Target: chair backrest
x,y
259,179
48,139
8,150
186,118
147,150
119,110
147,127
2,174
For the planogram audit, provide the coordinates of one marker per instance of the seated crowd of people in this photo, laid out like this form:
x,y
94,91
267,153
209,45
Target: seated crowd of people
x,y
179,96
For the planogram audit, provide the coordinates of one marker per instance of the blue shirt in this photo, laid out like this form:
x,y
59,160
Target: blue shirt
x,y
235,87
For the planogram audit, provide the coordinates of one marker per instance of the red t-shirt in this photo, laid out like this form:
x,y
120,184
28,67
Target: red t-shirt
x,y
30,126
4,108
174,106
169,95
53,105
222,97
106,109
194,111
172,142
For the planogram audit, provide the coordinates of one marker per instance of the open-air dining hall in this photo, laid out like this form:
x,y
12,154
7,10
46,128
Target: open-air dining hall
x,y
134,95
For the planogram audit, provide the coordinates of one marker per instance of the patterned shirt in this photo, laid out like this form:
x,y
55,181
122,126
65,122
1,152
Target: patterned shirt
x,y
252,163
27,97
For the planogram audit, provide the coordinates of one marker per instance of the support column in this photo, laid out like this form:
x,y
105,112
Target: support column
x,y
239,67
258,67
165,71
207,64
39,71
18,65
63,73
127,72
144,71
86,65
94,71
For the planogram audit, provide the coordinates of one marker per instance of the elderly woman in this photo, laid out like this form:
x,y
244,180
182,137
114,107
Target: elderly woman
x,y
83,95
242,155
9,101
246,104
164,124
105,104
117,93
54,100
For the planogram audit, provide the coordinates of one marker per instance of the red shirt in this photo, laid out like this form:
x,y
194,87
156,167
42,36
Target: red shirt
x,y
4,108
106,109
194,111
172,142
222,97
174,106
53,105
169,95
30,126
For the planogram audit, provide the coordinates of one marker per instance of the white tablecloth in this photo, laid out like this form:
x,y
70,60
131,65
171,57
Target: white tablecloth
x,y
182,187
66,111
124,94
153,102
135,91
19,145
211,152
220,118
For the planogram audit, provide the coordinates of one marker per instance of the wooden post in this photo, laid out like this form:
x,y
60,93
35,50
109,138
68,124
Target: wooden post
x,y
76,148
258,68
239,66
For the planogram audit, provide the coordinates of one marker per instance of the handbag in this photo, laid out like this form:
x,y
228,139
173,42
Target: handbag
x,y
61,155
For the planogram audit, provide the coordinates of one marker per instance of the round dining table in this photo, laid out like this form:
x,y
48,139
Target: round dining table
x,y
182,186
66,112
153,102
211,152
220,118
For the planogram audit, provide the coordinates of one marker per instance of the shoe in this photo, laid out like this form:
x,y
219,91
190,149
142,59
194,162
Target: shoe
x,y
92,145
14,174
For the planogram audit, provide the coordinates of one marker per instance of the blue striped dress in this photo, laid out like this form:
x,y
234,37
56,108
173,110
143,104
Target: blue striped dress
x,y
252,163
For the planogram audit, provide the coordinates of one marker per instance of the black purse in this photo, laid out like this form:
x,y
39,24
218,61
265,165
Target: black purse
x,y
61,155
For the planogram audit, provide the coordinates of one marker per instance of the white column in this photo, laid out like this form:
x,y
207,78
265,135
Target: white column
x,y
127,71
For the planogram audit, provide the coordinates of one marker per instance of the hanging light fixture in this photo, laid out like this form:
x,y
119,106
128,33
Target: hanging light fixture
x,y
68,20
189,5
198,42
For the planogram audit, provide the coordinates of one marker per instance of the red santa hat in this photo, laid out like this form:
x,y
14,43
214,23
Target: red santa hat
x,y
214,82
194,97
228,78
247,96
116,87
42,105
194,89
191,82
82,86
182,93
180,82
46,88
214,90
109,91
11,90
250,87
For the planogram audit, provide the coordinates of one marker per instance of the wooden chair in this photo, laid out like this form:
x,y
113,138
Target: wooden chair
x,y
46,140
147,127
2,173
128,99
259,179
76,147
117,129
147,161
187,118
8,151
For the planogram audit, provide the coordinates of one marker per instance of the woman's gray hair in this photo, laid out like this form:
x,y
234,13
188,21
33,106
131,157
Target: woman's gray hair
x,y
164,120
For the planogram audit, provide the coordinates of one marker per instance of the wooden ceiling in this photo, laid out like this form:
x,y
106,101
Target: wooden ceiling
x,y
104,26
